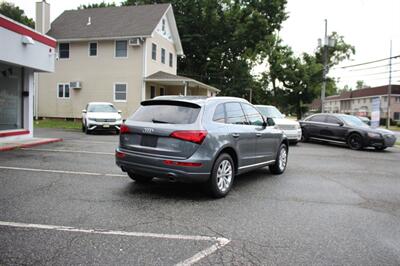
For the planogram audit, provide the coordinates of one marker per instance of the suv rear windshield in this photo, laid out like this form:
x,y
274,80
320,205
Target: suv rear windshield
x,y
166,114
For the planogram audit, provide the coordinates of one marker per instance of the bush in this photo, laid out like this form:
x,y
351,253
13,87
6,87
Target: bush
x,y
398,123
383,122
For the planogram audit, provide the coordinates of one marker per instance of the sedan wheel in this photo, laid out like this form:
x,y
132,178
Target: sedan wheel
x,y
355,142
222,176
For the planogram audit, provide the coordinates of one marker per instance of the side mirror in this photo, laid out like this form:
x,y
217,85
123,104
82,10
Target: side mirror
x,y
268,121
119,111
84,111
340,123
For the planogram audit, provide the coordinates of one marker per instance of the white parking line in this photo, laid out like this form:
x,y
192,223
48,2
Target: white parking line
x,y
69,151
221,241
59,171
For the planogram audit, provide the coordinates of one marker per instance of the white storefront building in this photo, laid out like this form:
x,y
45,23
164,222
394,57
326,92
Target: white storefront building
x,y
23,51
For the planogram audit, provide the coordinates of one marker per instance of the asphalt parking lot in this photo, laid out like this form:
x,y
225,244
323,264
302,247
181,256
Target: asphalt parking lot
x,y
67,203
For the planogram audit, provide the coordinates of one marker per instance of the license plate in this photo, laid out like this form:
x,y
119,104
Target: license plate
x,y
149,141
106,125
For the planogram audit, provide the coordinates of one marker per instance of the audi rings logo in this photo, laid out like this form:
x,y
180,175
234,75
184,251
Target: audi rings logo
x,y
148,130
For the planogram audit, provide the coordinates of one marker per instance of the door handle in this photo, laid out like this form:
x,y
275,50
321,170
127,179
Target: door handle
x,y
235,135
258,134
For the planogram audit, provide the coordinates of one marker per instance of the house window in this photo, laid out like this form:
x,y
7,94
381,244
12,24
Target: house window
x,y
396,116
152,92
63,50
154,51
63,91
120,91
163,55
121,48
162,91
163,25
171,59
93,49
397,99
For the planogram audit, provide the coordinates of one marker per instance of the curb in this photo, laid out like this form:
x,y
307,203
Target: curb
x,y
28,145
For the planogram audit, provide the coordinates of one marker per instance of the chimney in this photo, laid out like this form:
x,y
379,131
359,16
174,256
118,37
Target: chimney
x,y
42,23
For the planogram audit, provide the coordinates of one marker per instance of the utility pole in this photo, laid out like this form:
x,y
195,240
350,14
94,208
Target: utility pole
x,y
326,42
389,87
251,94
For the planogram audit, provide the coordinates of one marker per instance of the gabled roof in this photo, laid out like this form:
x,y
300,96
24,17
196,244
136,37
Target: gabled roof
x,y
108,22
167,78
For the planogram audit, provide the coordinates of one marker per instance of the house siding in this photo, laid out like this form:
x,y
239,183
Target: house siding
x,y
98,75
154,66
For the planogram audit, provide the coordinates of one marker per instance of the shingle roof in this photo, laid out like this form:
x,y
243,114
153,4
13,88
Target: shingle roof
x,y
166,77
366,92
109,22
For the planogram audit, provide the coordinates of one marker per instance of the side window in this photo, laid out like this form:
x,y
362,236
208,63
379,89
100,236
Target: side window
x,y
163,55
63,91
332,120
253,116
154,51
63,50
121,48
120,91
317,118
93,49
234,114
219,114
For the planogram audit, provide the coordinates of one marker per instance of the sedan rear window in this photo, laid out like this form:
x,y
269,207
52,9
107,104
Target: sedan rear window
x,y
166,114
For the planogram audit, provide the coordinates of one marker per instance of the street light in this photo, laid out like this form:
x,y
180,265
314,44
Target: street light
x,y
328,42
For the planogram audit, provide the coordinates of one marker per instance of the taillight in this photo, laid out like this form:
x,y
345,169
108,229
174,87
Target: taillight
x,y
188,164
119,154
196,136
124,129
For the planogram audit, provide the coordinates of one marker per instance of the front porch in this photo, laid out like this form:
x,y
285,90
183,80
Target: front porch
x,y
162,83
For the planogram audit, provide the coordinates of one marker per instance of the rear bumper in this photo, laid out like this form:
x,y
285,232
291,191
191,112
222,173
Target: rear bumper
x,y
155,167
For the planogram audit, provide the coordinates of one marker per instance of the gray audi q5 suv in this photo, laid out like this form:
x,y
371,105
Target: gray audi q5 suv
x,y
199,139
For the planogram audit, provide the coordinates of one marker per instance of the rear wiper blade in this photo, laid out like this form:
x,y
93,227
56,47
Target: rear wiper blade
x,y
160,121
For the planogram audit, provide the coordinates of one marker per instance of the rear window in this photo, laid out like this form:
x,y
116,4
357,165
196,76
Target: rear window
x,y
166,114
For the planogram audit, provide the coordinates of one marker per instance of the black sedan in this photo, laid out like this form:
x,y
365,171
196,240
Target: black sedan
x,y
346,129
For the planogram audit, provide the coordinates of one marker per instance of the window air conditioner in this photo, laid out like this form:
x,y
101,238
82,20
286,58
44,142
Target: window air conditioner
x,y
75,85
134,42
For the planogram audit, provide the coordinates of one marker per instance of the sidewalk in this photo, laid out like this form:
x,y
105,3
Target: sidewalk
x,y
25,143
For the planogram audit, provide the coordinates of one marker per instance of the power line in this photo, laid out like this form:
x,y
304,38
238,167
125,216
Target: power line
x,y
366,68
371,62
370,74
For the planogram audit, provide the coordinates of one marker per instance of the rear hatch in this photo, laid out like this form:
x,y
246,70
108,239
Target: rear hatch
x,y
163,128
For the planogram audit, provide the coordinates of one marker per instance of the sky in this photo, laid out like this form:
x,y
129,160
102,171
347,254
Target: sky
x,y
369,25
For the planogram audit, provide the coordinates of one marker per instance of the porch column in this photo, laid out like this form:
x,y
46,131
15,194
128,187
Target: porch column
x,y
185,90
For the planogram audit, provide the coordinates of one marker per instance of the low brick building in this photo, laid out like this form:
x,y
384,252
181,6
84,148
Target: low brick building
x,y
359,102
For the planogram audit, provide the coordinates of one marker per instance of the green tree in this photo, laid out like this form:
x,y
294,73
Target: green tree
x,y
222,40
10,10
296,80
360,84
97,5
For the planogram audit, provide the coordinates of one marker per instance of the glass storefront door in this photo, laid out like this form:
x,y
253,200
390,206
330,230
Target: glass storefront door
x,y
10,97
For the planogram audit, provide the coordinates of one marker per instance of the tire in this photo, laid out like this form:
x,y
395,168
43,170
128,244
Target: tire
x,y
380,148
139,179
222,176
87,130
281,160
304,136
355,141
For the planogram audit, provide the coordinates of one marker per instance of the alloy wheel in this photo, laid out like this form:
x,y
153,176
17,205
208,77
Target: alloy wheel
x,y
224,175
